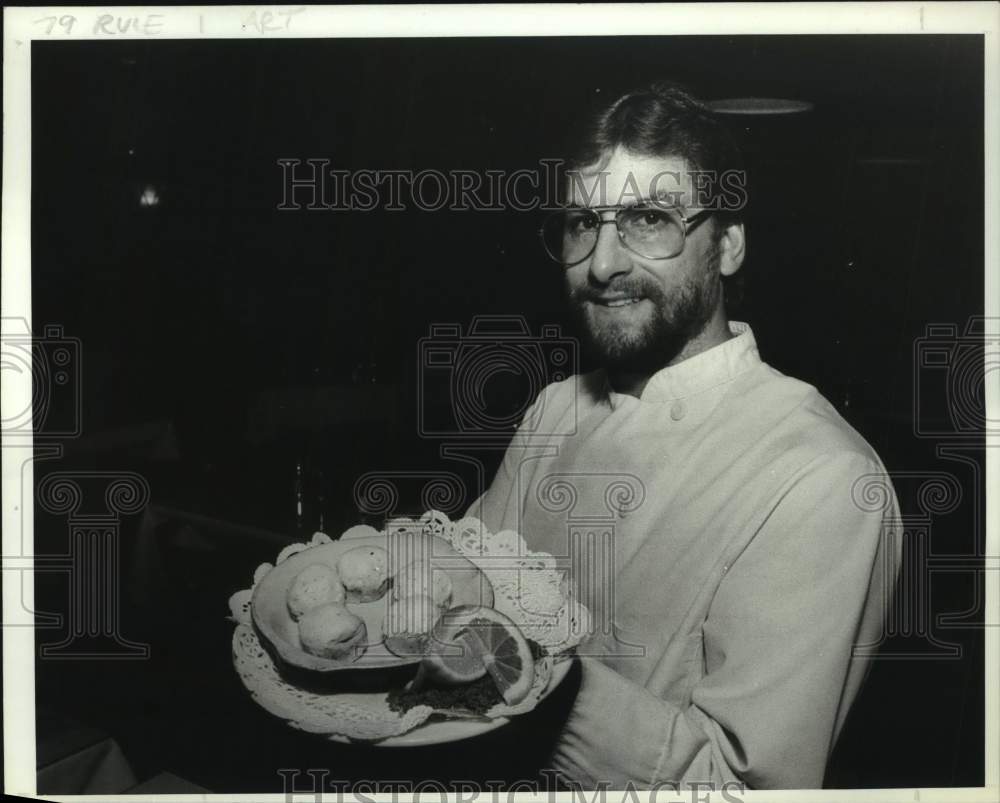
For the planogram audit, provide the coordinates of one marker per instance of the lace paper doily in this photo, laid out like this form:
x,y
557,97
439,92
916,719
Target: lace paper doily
x,y
527,588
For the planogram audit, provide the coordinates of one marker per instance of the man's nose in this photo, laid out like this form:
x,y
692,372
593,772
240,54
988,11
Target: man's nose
x,y
610,256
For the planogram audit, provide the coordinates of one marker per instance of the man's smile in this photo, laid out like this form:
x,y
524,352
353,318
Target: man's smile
x,y
618,301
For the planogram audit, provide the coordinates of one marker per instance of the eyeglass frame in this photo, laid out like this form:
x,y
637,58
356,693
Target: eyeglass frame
x,y
688,224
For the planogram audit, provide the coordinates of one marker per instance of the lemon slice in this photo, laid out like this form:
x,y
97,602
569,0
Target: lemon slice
x,y
469,641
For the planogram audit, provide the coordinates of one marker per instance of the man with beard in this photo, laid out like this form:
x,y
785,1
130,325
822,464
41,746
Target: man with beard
x,y
734,538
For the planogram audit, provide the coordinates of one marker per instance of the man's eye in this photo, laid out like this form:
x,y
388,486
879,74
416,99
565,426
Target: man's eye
x,y
581,222
648,218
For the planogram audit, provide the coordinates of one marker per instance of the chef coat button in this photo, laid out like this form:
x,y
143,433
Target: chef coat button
x,y
678,410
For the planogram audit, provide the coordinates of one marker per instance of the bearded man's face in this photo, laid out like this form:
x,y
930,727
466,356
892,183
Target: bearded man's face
x,y
636,314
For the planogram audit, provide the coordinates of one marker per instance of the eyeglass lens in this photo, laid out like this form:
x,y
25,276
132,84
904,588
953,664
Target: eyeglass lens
x,y
571,235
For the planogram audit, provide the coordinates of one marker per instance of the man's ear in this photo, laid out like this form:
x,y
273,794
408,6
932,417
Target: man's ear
x,y
733,246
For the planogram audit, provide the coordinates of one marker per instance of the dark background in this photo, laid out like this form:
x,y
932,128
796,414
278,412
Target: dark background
x,y
224,341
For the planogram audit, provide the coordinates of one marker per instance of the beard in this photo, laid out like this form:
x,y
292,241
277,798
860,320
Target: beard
x,y
644,346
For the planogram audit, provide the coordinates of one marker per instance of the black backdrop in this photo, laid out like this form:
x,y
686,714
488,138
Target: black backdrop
x,y
234,322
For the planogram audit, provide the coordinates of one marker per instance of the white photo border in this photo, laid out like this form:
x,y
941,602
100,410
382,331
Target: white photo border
x,y
22,26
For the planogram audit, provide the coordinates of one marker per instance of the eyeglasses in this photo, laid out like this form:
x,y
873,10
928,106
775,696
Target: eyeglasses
x,y
649,230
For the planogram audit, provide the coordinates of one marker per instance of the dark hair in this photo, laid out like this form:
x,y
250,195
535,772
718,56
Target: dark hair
x,y
660,120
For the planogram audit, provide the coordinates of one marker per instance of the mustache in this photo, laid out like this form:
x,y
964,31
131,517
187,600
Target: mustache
x,y
635,288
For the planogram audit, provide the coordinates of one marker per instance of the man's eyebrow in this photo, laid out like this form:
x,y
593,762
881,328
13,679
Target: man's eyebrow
x,y
668,198
662,200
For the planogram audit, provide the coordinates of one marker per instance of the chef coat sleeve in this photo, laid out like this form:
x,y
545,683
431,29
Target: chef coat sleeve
x,y
779,672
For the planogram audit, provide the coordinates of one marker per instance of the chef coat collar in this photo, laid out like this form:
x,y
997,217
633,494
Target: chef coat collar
x,y
710,368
